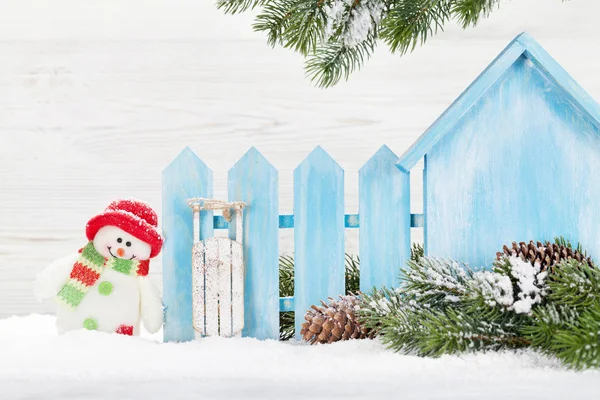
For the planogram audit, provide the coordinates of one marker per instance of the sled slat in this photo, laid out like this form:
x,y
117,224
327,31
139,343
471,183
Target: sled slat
x,y
225,287
237,288
198,267
212,286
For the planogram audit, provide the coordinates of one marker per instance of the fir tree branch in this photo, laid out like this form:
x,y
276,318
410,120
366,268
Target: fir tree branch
x,y
274,20
295,24
574,284
571,336
286,289
431,332
469,12
419,318
569,325
239,6
348,40
334,61
547,321
410,22
352,274
416,252
339,36
306,28
579,345
435,281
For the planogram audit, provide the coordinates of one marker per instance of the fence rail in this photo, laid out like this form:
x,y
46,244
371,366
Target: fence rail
x,y
384,222
286,221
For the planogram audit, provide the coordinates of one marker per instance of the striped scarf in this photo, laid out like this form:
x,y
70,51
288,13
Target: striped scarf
x,y
87,270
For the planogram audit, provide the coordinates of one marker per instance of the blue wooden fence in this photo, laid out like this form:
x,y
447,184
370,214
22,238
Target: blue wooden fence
x,y
319,220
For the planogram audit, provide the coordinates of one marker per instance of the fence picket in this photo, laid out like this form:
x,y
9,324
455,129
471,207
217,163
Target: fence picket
x,y
255,181
187,176
384,212
318,232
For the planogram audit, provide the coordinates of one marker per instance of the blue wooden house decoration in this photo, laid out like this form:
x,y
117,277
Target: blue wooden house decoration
x,y
515,158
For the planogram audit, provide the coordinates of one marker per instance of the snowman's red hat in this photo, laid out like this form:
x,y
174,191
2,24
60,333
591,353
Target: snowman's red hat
x,y
134,217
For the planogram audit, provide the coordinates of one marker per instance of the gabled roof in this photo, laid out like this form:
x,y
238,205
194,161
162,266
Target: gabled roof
x,y
522,44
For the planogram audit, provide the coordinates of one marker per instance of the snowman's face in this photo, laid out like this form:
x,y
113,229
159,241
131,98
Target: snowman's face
x,y
111,241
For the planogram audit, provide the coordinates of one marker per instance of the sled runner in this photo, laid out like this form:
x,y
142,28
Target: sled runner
x,y
218,274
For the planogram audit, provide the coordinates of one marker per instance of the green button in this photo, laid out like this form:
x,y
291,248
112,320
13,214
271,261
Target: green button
x,y
105,288
90,324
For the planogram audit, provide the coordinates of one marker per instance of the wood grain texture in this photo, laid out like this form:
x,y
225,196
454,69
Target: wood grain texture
x,y
225,277
255,181
237,288
212,272
385,220
198,289
95,103
318,232
186,177
461,105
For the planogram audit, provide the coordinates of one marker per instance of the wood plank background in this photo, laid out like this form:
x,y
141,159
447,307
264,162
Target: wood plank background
x,y
97,99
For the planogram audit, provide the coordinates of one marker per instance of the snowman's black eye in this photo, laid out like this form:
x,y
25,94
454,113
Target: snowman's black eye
x,y
128,244
119,240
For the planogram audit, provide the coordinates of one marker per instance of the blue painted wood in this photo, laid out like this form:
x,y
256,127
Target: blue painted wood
x,y
522,164
220,223
416,220
187,176
385,220
286,221
523,44
425,205
286,304
318,232
255,181
461,105
351,221
561,78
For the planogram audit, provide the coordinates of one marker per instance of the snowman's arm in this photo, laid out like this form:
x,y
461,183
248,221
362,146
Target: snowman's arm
x,y
51,279
151,305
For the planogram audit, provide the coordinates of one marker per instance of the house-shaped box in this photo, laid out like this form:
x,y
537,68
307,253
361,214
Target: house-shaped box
x,y
515,158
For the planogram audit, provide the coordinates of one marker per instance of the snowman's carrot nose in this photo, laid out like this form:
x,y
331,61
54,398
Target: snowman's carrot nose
x,y
120,252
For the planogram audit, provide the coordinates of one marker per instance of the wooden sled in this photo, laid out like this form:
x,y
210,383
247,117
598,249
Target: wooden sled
x,y
217,274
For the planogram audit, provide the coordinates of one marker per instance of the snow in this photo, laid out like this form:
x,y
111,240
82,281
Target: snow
x,y
495,288
37,363
530,282
357,26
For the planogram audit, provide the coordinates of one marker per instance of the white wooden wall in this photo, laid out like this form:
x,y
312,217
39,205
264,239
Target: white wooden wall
x,y
96,99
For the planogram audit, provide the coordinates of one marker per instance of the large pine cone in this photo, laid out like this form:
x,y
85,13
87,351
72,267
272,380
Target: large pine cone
x,y
335,321
547,254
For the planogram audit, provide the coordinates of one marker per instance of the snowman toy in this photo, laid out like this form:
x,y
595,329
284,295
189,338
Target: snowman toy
x,y
105,286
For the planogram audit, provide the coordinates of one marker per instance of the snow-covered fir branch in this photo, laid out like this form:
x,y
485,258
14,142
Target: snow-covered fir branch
x,y
513,285
433,280
351,22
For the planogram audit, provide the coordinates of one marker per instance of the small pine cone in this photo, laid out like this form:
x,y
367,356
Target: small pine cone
x,y
335,321
547,255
